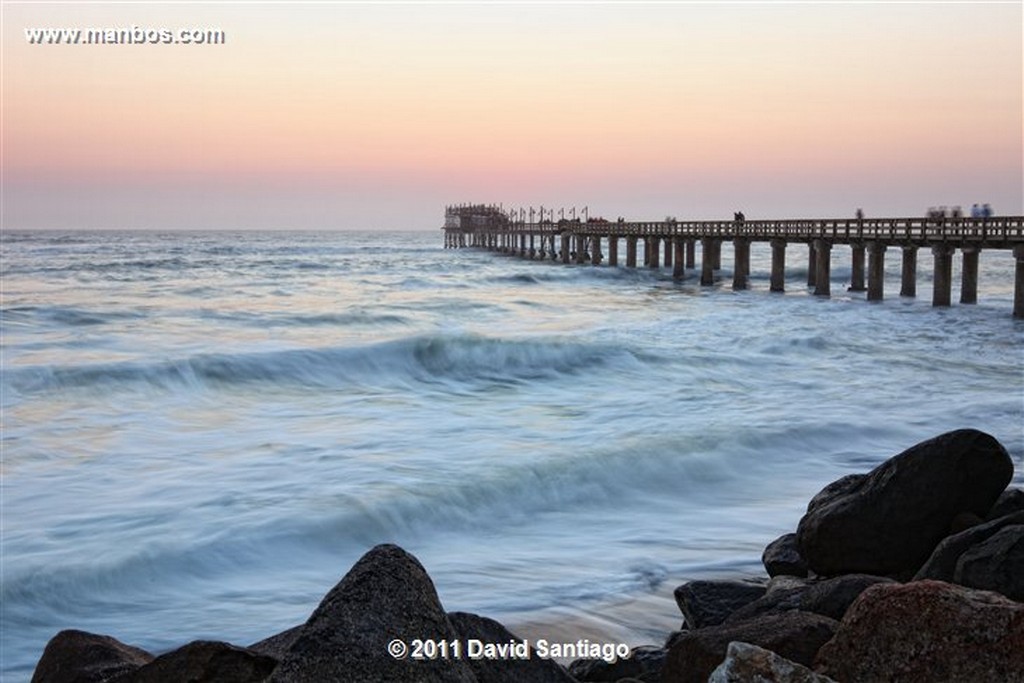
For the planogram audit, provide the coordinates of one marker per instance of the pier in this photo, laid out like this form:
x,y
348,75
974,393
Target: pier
x,y
673,244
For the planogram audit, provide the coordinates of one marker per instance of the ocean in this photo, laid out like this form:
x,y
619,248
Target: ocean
x,y
203,431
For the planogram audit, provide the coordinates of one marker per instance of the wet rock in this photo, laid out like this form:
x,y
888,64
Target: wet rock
x,y
889,522
746,663
204,661
829,597
474,627
80,657
996,564
707,603
941,565
782,557
386,597
794,635
276,645
927,631
644,664
840,487
1009,502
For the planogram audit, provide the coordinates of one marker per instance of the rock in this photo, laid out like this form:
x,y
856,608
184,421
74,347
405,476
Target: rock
x,y
275,646
829,597
782,557
387,597
79,657
840,487
204,661
707,603
1010,501
889,522
746,663
644,664
996,564
794,635
474,627
927,631
941,565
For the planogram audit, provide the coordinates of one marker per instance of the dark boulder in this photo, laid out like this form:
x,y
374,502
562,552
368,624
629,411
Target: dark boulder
x,y
276,645
794,635
204,661
79,657
643,664
828,597
707,603
889,522
840,487
1009,502
782,557
941,565
927,631
996,564
385,599
503,670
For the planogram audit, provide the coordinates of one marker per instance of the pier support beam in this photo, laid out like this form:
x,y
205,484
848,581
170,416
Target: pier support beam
x,y
822,270
908,281
522,246
631,251
969,275
741,263
679,267
812,265
565,247
1018,282
613,250
653,252
691,254
595,250
857,268
707,261
876,271
778,266
716,251
943,280
668,252
533,249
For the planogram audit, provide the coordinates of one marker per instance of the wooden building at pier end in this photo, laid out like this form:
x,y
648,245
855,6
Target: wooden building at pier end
x,y
670,243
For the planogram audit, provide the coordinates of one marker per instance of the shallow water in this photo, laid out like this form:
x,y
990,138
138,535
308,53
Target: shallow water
x,y
203,431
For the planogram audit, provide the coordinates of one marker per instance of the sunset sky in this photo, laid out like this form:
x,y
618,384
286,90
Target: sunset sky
x,y
369,115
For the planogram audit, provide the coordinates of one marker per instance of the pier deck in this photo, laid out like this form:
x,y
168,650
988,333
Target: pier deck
x,y
672,243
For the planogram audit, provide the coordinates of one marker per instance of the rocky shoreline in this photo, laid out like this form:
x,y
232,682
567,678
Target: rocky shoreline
x,y
913,571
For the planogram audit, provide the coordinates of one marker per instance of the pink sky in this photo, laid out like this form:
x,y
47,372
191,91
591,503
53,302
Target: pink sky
x,y
375,116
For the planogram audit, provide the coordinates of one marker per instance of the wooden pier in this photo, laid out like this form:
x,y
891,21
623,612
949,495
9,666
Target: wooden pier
x,y
672,244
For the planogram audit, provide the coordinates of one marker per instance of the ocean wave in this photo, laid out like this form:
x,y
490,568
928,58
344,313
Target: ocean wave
x,y
430,359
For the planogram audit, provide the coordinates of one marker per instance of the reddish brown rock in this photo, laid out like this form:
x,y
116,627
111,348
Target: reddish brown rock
x,y
927,631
